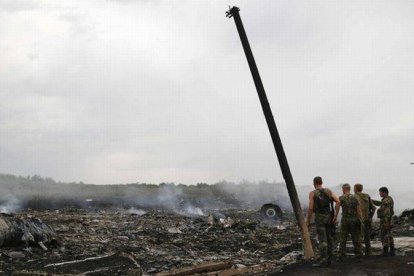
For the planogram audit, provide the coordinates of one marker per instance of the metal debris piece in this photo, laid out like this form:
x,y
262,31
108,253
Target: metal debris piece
x,y
42,246
174,230
292,257
210,219
29,231
228,222
271,211
79,261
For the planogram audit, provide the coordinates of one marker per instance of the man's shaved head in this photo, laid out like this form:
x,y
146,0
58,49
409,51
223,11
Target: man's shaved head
x,y
317,180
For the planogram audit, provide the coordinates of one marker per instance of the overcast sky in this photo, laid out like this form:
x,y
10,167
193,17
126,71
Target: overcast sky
x,y
160,91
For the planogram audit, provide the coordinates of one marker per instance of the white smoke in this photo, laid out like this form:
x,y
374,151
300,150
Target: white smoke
x,y
11,205
168,197
190,210
135,211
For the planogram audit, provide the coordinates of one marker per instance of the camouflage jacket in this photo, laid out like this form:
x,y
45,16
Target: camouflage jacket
x,y
349,204
366,204
386,209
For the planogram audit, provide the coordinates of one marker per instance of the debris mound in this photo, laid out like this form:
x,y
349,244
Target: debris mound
x,y
28,231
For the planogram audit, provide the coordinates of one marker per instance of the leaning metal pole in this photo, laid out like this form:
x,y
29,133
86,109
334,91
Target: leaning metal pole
x,y
277,143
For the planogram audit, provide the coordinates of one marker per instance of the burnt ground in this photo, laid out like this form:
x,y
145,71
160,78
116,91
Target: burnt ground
x,y
375,265
401,264
123,242
128,242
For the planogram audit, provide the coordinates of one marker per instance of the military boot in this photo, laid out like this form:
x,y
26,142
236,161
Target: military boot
x,y
384,251
329,262
392,251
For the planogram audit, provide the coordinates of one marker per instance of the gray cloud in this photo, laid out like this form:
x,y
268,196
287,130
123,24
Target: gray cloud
x,y
110,92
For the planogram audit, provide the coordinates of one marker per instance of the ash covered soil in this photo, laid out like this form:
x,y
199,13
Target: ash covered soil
x,y
121,242
375,265
155,241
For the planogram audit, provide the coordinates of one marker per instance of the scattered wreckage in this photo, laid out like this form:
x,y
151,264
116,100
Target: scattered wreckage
x,y
118,242
153,241
271,211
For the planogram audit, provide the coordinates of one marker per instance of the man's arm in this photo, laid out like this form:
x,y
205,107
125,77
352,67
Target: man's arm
x,y
376,202
310,210
337,206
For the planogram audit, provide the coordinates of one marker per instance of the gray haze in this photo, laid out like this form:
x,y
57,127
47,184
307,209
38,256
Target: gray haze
x,y
153,91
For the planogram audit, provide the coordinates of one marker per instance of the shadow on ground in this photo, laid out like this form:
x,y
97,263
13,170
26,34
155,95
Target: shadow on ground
x,y
375,265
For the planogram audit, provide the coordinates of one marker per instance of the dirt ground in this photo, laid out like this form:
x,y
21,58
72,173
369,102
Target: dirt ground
x,y
375,265
401,264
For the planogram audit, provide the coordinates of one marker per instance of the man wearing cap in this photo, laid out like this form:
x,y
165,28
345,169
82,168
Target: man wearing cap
x,y
350,222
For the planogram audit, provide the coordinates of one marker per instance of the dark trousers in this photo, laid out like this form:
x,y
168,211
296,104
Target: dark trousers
x,y
367,234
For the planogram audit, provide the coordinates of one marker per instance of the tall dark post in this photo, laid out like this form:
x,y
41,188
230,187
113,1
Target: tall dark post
x,y
277,143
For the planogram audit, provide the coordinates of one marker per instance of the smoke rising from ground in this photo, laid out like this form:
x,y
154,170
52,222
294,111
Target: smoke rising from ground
x,y
35,192
40,193
10,204
135,211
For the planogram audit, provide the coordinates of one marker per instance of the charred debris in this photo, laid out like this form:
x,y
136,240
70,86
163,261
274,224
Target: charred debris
x,y
29,231
120,241
144,229
150,241
140,229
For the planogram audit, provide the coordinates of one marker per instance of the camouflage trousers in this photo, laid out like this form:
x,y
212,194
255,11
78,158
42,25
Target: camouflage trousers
x,y
367,234
353,227
325,240
386,235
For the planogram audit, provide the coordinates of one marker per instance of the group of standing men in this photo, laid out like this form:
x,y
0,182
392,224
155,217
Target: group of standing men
x,y
357,212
